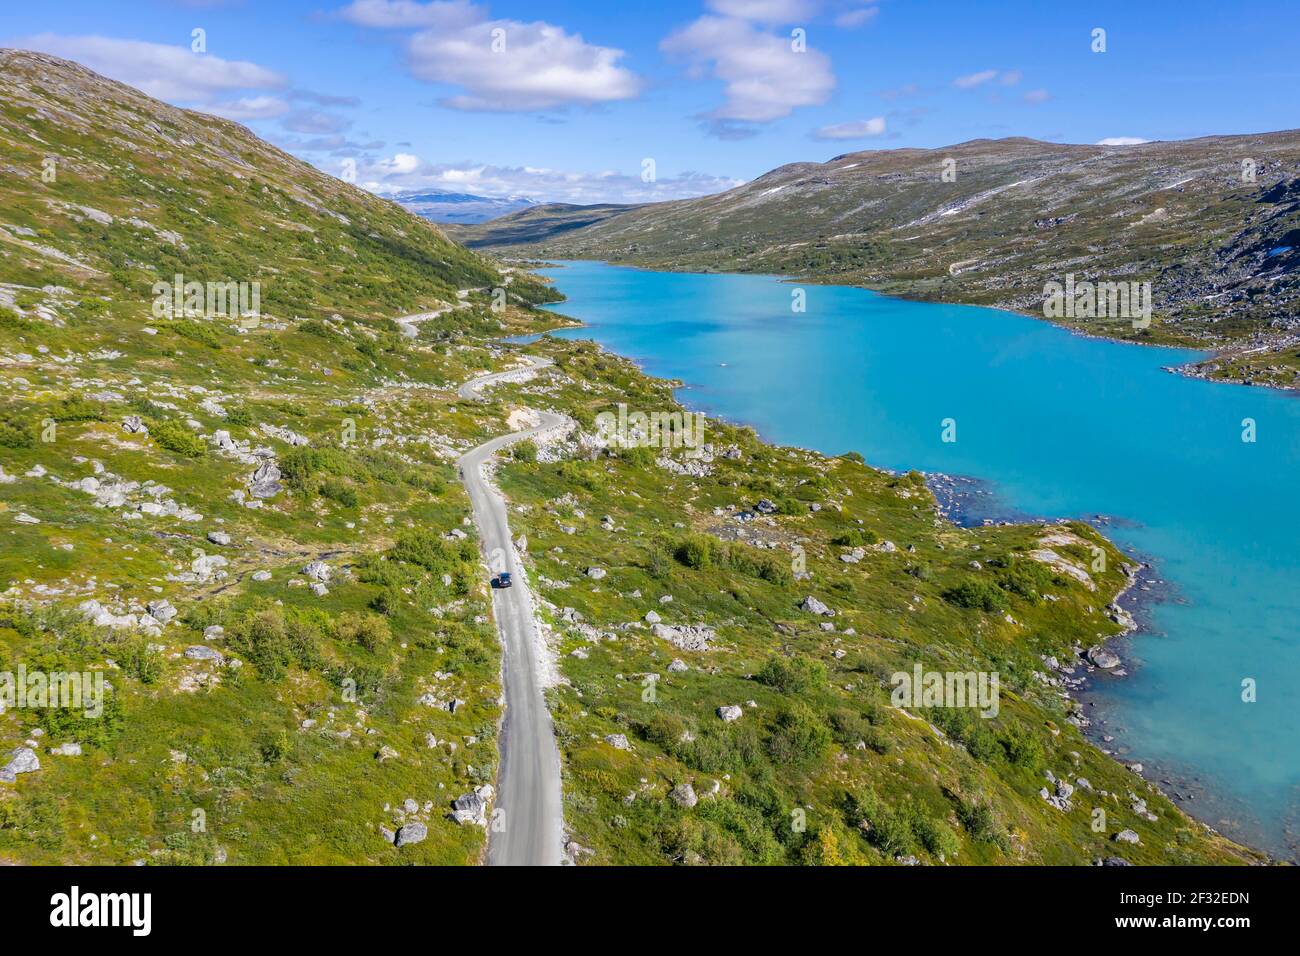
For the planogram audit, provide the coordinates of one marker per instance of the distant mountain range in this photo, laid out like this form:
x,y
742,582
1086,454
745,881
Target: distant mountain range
x,y
461,208
1213,224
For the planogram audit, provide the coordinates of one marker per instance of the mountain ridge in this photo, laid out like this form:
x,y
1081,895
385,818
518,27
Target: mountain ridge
x,y
1202,220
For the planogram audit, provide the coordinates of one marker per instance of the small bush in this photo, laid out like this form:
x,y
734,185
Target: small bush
x,y
796,676
1023,748
370,631
175,437
856,538
975,594
799,737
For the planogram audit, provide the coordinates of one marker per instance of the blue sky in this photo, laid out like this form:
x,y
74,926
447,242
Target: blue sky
x,y
578,94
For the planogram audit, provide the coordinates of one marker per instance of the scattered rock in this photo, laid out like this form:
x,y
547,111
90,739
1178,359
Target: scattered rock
x,y
814,606
472,807
22,760
1100,657
683,795
414,832
318,571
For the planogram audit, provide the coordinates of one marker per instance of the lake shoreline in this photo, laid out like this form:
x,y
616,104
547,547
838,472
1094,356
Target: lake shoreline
x,y
1085,684
1189,370
947,491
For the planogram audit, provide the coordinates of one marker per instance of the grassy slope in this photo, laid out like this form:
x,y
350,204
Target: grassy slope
x,y
969,791
183,736
76,348
1175,214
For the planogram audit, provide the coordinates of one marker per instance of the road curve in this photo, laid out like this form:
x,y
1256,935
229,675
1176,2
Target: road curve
x,y
528,827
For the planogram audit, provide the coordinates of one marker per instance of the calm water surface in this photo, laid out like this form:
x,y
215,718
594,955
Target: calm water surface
x,y
1059,425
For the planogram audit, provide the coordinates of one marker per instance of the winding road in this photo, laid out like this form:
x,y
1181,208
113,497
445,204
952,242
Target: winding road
x,y
527,829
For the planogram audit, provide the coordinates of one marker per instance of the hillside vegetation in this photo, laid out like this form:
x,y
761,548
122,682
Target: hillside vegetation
x,y
254,533
1218,241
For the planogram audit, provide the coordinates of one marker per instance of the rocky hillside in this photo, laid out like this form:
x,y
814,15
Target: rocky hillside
x,y
1222,252
106,189
249,527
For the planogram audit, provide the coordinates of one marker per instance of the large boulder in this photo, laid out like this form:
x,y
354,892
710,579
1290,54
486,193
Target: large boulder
x,y
689,637
410,833
1100,657
318,571
814,606
265,481
161,611
683,795
22,760
472,807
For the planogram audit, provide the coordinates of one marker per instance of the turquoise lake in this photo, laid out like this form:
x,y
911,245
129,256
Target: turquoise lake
x,y
1058,425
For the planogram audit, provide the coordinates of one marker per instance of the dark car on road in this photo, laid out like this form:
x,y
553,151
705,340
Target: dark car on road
x,y
502,580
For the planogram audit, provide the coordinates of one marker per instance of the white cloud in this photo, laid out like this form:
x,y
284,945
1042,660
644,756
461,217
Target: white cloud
x,y
766,11
402,164
1035,97
971,80
857,129
501,65
249,108
1122,141
171,73
404,172
1011,77
765,79
851,19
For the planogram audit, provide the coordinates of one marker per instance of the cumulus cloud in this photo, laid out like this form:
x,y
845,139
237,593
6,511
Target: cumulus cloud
x,y
405,172
171,73
764,77
1122,141
499,64
857,129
